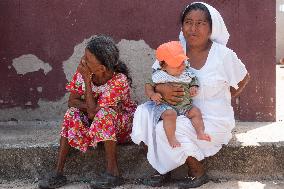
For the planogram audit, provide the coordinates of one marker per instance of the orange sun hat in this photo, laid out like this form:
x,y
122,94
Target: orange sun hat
x,y
172,53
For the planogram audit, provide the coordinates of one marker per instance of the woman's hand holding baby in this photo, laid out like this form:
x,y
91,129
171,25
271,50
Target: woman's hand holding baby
x,y
156,97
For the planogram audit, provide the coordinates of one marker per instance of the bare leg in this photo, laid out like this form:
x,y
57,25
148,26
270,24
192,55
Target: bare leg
x,y
196,168
196,119
111,158
63,151
58,179
169,119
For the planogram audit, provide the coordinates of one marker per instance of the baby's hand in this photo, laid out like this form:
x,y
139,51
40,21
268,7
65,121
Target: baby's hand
x,y
193,91
156,97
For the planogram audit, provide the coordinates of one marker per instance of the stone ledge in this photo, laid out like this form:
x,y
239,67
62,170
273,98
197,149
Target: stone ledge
x,y
29,150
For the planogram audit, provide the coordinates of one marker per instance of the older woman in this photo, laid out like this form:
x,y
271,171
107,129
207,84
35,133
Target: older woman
x,y
221,74
100,110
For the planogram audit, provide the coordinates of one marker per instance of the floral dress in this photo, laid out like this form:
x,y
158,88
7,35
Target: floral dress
x,y
107,123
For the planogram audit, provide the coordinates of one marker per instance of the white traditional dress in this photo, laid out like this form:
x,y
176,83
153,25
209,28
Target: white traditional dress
x,y
221,70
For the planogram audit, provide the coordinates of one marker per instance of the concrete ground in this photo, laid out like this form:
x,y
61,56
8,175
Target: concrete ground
x,y
222,184
232,184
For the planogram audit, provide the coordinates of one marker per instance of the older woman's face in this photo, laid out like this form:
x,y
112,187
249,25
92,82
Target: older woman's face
x,y
94,64
196,29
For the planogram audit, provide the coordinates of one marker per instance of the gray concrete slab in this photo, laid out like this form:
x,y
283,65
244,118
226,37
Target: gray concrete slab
x,y
24,134
29,150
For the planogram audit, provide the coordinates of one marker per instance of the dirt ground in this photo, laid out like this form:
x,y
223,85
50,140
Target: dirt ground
x,y
211,185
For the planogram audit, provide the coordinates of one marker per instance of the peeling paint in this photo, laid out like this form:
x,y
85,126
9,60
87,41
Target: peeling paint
x,y
39,89
279,93
68,14
47,110
70,65
139,57
237,100
259,115
29,103
30,63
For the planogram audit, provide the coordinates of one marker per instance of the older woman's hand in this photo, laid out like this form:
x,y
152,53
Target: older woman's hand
x,y
171,92
84,70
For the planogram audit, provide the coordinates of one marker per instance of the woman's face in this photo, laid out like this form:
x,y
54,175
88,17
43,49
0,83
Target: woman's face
x,y
195,27
94,65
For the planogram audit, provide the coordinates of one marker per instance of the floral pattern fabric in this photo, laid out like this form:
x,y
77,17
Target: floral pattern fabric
x,y
108,124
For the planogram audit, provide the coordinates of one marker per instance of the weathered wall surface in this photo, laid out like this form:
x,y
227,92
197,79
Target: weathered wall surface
x,y
41,43
279,30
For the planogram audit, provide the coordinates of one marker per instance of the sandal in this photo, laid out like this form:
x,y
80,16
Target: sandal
x,y
53,181
106,181
157,180
192,182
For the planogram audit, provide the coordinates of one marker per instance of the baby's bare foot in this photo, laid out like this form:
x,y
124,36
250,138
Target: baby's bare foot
x,y
174,143
203,136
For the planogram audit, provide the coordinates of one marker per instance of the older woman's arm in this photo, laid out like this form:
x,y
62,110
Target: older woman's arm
x,y
90,100
172,93
76,101
241,84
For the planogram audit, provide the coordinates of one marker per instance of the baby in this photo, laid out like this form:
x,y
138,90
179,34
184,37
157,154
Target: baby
x,y
174,68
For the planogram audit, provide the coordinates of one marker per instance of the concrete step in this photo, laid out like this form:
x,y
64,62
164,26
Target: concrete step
x,y
231,184
28,150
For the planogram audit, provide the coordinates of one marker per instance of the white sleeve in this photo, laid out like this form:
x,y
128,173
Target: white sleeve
x,y
156,65
234,69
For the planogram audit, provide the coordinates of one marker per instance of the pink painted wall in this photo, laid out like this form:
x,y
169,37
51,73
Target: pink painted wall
x,y
51,29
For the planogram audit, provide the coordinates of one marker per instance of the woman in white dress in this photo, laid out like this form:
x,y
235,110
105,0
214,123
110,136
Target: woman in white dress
x,y
221,74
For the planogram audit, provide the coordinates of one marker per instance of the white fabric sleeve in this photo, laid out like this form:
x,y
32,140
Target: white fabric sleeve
x,y
156,65
234,69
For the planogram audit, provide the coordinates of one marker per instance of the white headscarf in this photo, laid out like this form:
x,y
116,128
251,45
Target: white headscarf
x,y
219,33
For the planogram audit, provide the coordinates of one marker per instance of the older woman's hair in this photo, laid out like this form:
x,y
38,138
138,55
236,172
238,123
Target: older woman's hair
x,y
105,50
197,6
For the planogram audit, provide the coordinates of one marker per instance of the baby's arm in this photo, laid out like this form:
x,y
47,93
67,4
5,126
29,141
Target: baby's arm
x,y
150,92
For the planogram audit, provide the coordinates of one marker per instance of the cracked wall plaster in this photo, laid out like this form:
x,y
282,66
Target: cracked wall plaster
x,y
30,63
137,55
70,65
